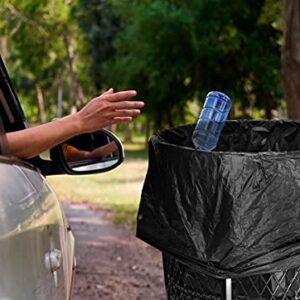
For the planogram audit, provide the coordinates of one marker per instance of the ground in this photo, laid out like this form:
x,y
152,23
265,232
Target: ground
x,y
112,264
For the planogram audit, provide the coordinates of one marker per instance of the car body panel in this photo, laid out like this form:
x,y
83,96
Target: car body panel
x,y
32,224
36,243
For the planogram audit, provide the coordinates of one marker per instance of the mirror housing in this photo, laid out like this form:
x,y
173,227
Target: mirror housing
x,y
89,153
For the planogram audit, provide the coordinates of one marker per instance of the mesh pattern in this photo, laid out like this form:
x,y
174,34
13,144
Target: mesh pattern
x,y
184,283
278,286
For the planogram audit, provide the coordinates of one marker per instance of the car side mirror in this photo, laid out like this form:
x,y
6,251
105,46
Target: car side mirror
x,y
89,153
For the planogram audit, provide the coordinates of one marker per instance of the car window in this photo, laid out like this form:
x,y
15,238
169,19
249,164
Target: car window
x,y
10,109
11,114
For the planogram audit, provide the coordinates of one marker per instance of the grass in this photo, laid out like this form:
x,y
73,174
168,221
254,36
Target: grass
x,y
118,190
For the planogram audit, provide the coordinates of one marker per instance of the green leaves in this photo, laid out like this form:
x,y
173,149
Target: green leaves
x,y
226,45
36,32
172,51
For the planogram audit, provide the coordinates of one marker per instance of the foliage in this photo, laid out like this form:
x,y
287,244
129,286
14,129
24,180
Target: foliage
x,y
37,53
173,52
99,27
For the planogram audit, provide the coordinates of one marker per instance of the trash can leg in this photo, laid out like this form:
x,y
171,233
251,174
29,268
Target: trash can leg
x,y
228,283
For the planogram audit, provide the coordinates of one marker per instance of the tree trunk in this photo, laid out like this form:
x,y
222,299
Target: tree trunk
x,y
290,58
41,103
59,99
127,133
270,104
3,47
268,109
76,90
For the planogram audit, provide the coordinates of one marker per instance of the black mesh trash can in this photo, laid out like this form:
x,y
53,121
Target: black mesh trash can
x,y
184,282
227,221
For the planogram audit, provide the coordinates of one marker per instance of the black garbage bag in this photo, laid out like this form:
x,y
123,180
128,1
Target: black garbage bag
x,y
232,212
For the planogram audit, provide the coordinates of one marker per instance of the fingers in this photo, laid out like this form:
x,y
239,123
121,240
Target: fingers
x,y
125,113
114,99
127,104
108,92
122,119
109,108
123,116
120,95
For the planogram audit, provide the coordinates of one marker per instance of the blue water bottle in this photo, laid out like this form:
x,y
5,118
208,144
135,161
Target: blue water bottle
x,y
211,121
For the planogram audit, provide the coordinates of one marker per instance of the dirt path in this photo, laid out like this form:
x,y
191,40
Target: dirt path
x,y
111,263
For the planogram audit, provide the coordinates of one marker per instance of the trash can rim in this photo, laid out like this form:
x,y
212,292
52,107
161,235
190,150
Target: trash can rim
x,y
158,140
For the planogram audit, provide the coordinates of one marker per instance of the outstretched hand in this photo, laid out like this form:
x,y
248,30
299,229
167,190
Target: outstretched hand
x,y
100,112
107,109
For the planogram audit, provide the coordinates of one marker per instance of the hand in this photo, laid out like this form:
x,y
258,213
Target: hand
x,y
107,109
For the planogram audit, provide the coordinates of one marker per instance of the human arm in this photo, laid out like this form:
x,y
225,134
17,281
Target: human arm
x,y
73,154
103,151
100,112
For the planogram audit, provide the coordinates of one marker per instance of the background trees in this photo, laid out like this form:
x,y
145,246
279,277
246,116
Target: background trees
x,y
176,51
290,57
173,52
40,52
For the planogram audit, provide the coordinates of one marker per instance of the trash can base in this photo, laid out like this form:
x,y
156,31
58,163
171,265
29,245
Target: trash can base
x,y
185,283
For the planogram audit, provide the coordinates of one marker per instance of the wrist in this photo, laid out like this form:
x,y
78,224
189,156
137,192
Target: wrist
x,y
73,124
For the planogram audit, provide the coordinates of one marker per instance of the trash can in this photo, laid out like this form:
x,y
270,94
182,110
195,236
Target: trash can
x,y
184,282
228,221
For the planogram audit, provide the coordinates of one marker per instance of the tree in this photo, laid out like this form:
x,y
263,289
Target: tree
x,y
290,58
24,48
175,51
42,49
99,27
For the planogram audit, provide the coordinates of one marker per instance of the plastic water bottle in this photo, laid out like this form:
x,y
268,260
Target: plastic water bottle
x,y
211,121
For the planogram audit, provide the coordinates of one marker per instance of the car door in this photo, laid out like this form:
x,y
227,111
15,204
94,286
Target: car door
x,y
36,245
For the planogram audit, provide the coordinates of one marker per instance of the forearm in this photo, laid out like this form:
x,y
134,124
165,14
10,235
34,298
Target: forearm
x,y
30,142
100,112
103,151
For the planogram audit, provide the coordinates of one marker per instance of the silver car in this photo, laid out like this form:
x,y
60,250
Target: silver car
x,y
36,242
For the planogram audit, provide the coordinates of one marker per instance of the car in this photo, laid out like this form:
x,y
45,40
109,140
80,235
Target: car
x,y
36,242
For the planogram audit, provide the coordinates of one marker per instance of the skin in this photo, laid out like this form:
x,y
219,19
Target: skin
x,y
100,152
105,110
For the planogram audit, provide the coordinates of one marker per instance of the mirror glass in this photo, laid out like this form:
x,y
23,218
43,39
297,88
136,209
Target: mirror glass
x,y
95,151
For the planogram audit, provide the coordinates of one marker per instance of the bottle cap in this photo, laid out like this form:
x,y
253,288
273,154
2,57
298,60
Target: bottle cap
x,y
219,95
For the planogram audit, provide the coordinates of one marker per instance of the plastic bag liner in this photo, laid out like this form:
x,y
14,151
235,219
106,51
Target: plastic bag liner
x,y
232,212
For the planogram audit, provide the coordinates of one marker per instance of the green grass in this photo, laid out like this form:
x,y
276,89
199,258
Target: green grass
x,y
136,150
118,190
